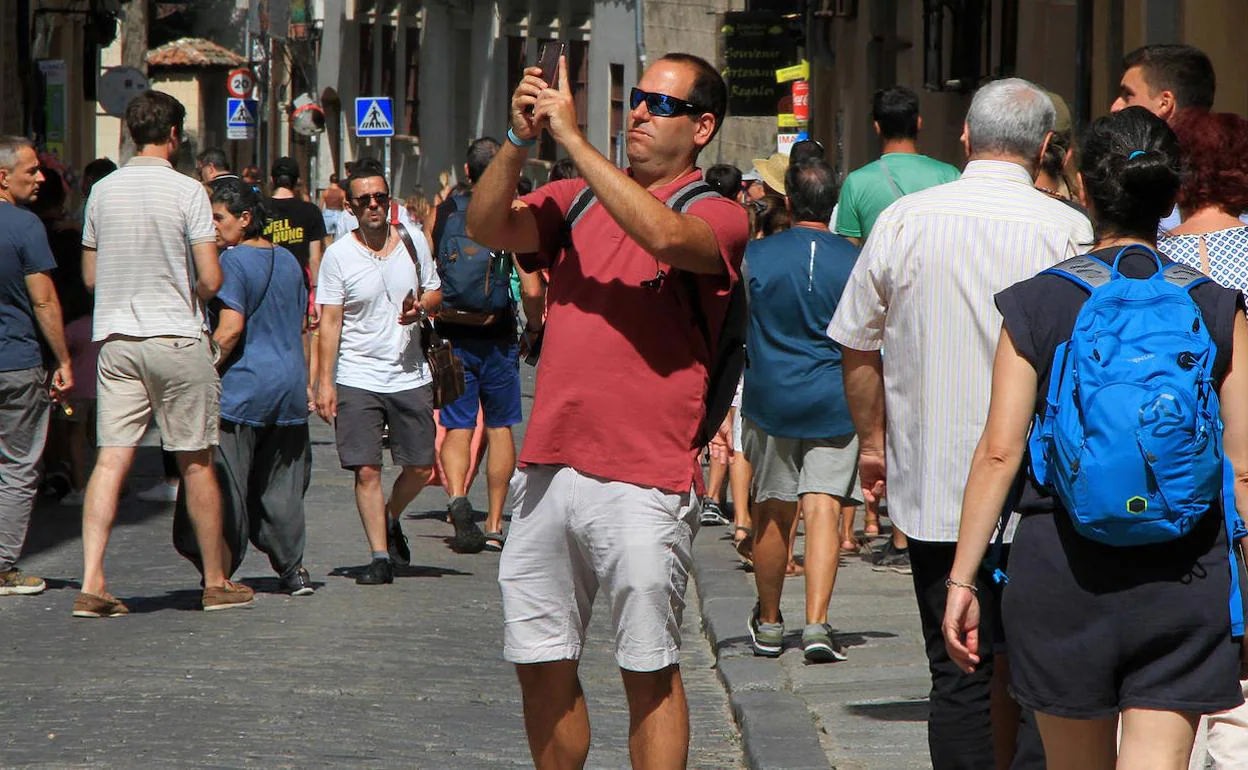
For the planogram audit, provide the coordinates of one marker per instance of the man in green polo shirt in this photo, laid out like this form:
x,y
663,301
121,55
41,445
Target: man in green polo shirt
x,y
899,171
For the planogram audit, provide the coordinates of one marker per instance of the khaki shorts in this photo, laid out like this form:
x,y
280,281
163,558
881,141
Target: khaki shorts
x,y
171,378
787,468
571,534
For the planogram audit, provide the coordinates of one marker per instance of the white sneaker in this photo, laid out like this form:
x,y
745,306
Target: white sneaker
x,y
74,499
161,492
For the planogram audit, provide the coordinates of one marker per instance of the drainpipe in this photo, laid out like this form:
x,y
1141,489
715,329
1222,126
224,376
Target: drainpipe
x,y
641,36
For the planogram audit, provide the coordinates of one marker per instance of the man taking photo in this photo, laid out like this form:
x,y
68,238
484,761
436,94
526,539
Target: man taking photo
x,y
610,480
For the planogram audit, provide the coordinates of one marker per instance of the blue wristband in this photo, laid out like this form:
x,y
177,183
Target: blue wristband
x,y
517,141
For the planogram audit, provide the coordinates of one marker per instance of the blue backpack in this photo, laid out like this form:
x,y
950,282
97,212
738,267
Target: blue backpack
x,y
474,279
1130,438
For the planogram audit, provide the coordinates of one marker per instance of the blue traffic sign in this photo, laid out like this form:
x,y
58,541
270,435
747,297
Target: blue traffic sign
x,y
374,116
240,113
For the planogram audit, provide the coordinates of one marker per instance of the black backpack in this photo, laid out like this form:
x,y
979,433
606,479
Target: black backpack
x,y
728,356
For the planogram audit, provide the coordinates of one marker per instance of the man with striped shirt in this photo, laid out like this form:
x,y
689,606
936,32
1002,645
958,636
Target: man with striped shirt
x,y
150,256
923,288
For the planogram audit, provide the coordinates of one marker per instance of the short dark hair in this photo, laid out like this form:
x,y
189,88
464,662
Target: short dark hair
x,y
771,216
239,197
811,188
285,173
709,92
365,168
896,110
563,168
524,186
150,117
480,153
1130,167
98,169
1182,70
724,179
214,156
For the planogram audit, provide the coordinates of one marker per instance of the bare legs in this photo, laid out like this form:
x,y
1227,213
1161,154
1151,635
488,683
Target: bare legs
x,y
1151,740
501,463
557,721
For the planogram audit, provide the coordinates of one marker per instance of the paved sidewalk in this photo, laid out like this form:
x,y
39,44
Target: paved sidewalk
x,y
865,713
402,676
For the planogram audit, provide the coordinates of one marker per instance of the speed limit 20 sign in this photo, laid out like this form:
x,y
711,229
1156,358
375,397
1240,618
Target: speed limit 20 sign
x,y
241,83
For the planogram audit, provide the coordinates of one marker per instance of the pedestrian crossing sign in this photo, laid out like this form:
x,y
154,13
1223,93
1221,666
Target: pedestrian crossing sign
x,y
374,116
240,118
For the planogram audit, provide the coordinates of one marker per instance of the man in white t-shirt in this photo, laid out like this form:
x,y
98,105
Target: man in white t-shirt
x,y
150,255
373,371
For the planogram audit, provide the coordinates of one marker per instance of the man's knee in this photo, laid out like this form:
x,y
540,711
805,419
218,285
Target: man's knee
x,y
417,473
651,687
193,463
368,476
549,678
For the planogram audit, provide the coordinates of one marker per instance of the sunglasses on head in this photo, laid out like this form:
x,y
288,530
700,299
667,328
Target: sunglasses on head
x,y
662,105
364,201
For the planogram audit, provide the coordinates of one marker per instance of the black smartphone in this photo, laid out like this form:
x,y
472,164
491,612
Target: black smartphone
x,y
548,61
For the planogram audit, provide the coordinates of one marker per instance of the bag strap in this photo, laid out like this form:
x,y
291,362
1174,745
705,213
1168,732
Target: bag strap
x,y
268,283
1090,273
1235,534
889,176
411,252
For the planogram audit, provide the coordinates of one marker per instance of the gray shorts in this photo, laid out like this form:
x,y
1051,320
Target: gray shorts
x,y
363,416
787,468
572,533
173,379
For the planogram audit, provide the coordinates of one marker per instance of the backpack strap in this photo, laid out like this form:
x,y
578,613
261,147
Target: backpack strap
x,y
679,201
1184,276
580,204
1089,273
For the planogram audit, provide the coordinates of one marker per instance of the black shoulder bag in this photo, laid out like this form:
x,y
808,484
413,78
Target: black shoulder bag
x,y
446,367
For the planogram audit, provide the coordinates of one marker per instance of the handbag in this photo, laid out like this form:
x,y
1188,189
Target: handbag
x,y
445,366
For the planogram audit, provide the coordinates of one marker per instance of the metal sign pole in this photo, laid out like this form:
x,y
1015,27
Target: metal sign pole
x,y
389,170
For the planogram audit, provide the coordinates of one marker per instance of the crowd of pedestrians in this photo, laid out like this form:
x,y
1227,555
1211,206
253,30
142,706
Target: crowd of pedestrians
x,y
923,343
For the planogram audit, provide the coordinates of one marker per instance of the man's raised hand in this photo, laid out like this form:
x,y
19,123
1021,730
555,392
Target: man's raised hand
x,y
523,120
556,110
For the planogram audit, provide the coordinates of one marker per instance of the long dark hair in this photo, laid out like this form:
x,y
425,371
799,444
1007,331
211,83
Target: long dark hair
x,y
1131,172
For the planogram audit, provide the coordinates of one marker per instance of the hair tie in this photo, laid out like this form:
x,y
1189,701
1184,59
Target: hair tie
x,y
1134,154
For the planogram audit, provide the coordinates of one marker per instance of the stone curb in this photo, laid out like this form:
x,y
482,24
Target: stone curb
x,y
777,730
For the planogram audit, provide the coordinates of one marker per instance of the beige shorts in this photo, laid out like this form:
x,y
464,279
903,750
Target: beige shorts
x,y
171,378
787,468
572,533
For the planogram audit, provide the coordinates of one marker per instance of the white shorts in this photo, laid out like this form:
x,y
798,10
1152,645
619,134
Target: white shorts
x,y
571,533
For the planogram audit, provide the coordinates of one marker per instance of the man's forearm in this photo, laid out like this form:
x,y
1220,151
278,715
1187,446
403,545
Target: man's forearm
x,y
327,353
48,316
490,217
863,372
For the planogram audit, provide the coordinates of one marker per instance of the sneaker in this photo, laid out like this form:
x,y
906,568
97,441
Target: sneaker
x,y
378,572
98,606
14,583
396,544
819,646
298,584
712,515
160,492
468,536
766,638
890,558
74,499
230,596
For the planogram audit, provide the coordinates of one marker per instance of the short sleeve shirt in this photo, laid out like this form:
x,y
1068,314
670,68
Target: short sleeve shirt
x,y
376,353
1040,313
867,191
23,250
295,224
622,382
265,382
142,220
793,384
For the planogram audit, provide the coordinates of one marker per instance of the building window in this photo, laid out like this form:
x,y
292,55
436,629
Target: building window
x,y
366,59
578,78
411,91
618,113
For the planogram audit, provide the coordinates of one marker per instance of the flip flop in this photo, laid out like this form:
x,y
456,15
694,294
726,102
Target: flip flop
x,y
494,541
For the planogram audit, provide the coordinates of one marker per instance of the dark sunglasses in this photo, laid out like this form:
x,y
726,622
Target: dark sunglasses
x,y
662,105
381,199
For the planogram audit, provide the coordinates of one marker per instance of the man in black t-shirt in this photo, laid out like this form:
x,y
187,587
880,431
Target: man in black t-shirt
x,y
293,222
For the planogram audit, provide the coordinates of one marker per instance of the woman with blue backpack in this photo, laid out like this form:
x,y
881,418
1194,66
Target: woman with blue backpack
x,y
1121,378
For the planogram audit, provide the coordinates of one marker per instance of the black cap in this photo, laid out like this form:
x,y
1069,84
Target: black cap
x,y
286,166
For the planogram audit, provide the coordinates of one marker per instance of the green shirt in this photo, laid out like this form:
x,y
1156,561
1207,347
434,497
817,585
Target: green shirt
x,y
867,192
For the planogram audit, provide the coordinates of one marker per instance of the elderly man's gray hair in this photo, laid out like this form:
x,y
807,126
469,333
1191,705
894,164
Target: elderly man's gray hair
x,y
10,146
1010,117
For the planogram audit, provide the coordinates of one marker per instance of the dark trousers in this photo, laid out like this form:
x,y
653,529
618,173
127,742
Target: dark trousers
x,y
959,726
264,473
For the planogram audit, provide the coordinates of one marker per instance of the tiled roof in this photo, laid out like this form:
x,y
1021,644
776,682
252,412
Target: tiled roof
x,y
193,52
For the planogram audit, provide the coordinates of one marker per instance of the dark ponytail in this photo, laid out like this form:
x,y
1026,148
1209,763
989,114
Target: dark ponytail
x,y
1131,172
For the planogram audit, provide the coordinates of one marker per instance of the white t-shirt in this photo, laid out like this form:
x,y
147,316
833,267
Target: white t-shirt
x,y
376,353
142,220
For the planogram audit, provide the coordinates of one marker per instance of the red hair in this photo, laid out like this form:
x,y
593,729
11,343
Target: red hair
x,y
1214,150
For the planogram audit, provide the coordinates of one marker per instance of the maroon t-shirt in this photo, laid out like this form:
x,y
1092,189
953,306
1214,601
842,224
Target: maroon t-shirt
x,y
622,381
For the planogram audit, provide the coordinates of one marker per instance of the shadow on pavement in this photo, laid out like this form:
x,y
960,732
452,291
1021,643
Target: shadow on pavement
x,y
186,600
414,571
272,585
892,711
